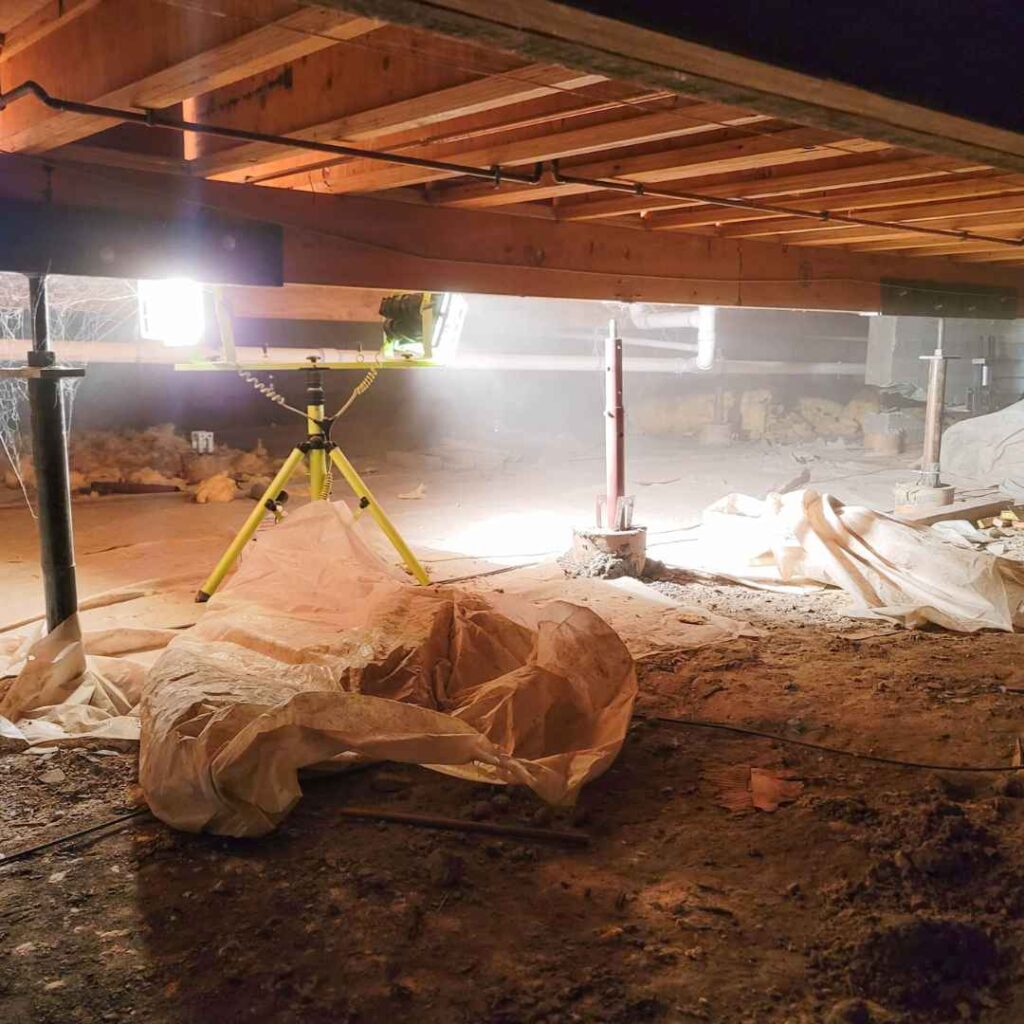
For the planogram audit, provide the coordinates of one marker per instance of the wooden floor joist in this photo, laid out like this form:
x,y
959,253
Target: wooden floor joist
x,y
155,55
545,88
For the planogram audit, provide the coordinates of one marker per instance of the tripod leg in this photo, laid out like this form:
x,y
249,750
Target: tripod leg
x,y
249,527
354,481
317,474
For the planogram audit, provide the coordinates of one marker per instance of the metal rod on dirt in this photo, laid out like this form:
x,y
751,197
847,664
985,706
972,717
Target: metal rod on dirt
x,y
614,430
491,828
50,454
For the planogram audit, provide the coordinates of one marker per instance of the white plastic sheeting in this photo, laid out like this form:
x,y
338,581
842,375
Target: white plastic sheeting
x,y
319,652
988,449
894,570
316,654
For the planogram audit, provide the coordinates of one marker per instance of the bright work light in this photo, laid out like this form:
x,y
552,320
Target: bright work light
x,y
171,312
423,325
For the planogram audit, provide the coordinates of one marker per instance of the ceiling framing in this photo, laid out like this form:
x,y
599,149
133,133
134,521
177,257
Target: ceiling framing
x,y
560,90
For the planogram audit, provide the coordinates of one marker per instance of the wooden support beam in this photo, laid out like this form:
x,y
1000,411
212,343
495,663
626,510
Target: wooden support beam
x,y
852,234
361,242
1007,256
850,200
306,302
956,212
861,170
677,163
149,54
537,145
915,245
14,12
556,32
958,249
494,92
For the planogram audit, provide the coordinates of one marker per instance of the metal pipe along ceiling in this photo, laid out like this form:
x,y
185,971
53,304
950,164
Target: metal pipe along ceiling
x,y
497,174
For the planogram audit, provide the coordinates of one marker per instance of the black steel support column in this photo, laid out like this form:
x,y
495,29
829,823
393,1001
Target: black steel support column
x,y
50,454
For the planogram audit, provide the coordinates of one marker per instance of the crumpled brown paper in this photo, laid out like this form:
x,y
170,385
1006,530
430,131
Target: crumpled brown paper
x,y
318,652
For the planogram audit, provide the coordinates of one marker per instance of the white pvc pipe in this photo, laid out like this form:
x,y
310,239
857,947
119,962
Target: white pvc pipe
x,y
650,320
706,337
251,355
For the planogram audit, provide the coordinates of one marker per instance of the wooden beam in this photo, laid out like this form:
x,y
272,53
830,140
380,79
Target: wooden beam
x,y
840,201
538,145
677,163
959,249
306,302
265,160
360,242
861,170
149,54
913,245
107,156
48,17
555,32
1006,256
15,12
851,234
956,212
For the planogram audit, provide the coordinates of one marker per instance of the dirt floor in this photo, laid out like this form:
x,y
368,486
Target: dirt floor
x,y
871,894
877,894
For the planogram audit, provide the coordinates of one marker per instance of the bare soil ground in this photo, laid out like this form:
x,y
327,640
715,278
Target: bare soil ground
x,y
879,894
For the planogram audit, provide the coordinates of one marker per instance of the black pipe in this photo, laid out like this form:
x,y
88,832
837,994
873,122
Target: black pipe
x,y
151,119
50,455
639,190
497,175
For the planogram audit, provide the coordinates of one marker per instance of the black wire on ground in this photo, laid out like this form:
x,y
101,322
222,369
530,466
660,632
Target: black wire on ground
x,y
740,730
29,851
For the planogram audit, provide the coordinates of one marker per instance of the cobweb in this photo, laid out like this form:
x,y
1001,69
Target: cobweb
x,y
80,309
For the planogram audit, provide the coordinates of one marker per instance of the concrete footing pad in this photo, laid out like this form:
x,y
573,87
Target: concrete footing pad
x,y
910,496
610,552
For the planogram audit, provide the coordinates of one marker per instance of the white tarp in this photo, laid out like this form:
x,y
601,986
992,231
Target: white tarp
x,y
988,449
318,653
892,569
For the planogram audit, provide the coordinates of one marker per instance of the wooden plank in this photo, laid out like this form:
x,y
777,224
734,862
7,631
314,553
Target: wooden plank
x,y
926,214
867,169
922,245
538,145
306,302
677,163
164,54
394,65
48,17
545,30
14,12
355,241
851,234
105,156
959,249
1005,256
978,508
878,200
485,94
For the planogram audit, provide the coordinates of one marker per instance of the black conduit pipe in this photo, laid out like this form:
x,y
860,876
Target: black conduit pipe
x,y
496,175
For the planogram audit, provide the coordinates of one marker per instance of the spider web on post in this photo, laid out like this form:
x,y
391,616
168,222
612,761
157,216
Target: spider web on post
x,y
79,310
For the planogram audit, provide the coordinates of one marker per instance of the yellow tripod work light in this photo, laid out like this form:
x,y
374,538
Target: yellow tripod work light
x,y
321,453
416,325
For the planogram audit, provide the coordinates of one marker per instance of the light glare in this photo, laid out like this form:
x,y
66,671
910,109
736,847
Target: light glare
x,y
171,312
